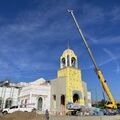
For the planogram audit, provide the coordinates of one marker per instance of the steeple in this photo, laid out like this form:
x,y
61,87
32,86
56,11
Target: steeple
x,y
72,74
68,59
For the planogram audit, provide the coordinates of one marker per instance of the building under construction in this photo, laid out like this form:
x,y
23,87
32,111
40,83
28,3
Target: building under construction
x,y
69,88
54,95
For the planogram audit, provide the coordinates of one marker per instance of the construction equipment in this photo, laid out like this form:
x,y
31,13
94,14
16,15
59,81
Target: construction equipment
x,y
112,103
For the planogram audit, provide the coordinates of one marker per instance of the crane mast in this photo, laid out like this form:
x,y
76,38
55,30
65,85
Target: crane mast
x,y
98,71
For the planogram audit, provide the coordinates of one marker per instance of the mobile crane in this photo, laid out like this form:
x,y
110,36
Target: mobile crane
x,y
112,104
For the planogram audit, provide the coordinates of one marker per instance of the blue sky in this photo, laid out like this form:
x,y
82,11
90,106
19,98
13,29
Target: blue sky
x,y
34,33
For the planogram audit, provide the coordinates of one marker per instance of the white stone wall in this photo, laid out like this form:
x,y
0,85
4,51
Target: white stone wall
x,y
9,92
32,93
28,95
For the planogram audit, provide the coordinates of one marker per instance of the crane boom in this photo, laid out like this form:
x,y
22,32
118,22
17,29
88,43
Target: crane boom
x,y
98,71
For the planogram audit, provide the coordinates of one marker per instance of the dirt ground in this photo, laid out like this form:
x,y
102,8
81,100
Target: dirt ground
x,y
22,116
34,116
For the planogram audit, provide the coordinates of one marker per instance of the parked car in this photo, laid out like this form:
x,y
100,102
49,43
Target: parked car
x,y
17,108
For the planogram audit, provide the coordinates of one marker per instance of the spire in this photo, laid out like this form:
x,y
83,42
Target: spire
x,y
68,44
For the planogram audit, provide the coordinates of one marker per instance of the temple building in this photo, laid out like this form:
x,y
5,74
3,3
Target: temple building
x,y
35,94
55,95
9,93
68,87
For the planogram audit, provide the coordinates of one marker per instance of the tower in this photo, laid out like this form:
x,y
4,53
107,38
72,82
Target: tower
x,y
69,69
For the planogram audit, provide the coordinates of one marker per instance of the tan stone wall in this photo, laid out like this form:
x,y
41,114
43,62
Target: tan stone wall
x,y
73,83
58,88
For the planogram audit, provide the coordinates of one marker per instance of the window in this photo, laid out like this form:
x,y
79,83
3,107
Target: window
x,y
54,97
22,101
8,103
63,62
40,103
0,102
13,107
63,99
54,102
26,102
73,62
75,98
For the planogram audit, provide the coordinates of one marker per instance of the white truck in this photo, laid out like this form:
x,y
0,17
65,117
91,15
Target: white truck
x,y
17,108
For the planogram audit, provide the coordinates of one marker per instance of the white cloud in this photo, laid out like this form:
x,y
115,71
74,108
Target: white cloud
x,y
114,14
108,40
94,15
32,26
111,58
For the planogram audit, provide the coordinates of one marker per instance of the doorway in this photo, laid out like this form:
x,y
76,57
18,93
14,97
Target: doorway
x,y
62,103
76,98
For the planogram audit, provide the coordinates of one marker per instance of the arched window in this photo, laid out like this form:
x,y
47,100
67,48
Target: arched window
x,y
0,102
62,99
54,101
8,103
40,104
26,102
22,102
73,62
62,103
76,98
63,62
